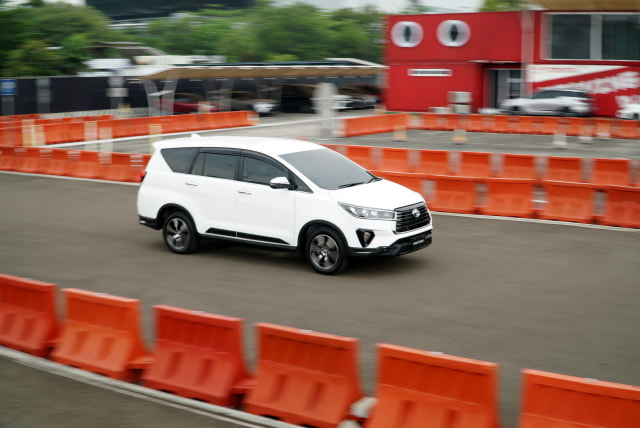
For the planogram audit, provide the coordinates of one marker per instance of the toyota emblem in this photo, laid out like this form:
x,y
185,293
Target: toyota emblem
x,y
415,213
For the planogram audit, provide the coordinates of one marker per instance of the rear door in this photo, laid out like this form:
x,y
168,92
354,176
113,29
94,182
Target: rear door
x,y
214,186
263,213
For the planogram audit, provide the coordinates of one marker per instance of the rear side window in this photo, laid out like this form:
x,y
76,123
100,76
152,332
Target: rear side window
x,y
218,165
180,159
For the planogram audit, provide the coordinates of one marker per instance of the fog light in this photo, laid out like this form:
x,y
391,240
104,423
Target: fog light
x,y
365,237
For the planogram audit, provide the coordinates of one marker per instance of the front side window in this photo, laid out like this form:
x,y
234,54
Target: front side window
x,y
260,171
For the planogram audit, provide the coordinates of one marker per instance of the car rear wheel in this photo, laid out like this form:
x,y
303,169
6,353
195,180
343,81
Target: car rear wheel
x,y
179,233
514,110
326,251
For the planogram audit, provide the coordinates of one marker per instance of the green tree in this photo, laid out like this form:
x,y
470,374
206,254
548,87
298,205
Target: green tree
x,y
54,22
33,58
75,51
502,5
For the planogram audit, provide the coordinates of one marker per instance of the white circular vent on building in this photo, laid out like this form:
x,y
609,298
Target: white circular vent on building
x,y
406,34
453,33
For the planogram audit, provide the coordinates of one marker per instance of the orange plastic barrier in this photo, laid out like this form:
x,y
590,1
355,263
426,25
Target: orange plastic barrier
x,y
365,156
84,164
454,194
622,207
568,202
57,161
525,124
603,128
418,389
7,156
476,123
197,356
433,162
101,335
406,179
304,378
615,172
28,321
11,135
509,198
374,124
123,166
397,160
28,160
629,129
428,121
555,400
518,166
475,164
564,169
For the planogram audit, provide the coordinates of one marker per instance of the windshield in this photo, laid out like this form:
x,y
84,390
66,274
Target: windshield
x,y
328,169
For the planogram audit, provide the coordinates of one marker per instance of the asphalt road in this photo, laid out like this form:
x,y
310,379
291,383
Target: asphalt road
x,y
547,296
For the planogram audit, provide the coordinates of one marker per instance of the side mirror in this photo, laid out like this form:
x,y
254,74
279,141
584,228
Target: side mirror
x,y
280,183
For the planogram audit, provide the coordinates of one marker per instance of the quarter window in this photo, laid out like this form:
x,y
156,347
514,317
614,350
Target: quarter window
x,y
180,159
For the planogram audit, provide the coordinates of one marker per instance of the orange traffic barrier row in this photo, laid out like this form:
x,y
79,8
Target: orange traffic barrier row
x,y
73,163
101,334
525,198
375,124
28,319
573,126
198,356
36,132
303,377
418,389
597,171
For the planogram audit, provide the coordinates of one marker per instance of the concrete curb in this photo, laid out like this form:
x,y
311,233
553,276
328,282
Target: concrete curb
x,y
216,412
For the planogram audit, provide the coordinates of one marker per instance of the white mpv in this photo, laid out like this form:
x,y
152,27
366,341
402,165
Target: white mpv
x,y
281,193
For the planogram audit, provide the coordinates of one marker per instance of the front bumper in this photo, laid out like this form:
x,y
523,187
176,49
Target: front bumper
x,y
400,247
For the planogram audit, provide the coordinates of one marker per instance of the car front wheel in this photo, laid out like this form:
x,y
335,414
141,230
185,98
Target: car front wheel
x,y
326,251
179,233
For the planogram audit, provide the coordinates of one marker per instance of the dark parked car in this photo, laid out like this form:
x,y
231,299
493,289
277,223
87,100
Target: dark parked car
x,y
184,103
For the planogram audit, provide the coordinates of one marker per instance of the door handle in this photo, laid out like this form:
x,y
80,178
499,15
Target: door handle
x,y
244,192
191,183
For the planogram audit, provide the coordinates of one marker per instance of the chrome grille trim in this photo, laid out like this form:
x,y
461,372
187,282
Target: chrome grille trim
x,y
406,221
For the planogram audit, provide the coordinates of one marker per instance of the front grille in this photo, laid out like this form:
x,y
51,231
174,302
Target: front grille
x,y
406,220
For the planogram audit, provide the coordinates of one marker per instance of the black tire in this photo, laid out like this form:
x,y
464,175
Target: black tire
x,y
566,112
179,233
326,251
514,110
635,117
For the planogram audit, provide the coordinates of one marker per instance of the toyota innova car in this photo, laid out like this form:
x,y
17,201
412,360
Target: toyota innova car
x,y
281,193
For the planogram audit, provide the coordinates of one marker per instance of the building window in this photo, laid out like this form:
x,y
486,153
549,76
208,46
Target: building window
x,y
590,36
570,36
621,37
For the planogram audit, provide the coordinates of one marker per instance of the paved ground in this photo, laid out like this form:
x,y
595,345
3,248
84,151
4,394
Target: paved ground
x,y
521,294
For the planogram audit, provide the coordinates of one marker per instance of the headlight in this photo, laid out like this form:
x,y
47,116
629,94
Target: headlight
x,y
368,213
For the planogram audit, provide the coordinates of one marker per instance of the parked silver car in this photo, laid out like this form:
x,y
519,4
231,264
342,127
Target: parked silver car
x,y
630,111
564,102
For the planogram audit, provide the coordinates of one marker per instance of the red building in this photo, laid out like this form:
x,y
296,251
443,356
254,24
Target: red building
x,y
498,55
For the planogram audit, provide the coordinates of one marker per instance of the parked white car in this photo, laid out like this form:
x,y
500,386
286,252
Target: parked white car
x,y
565,102
630,111
281,193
